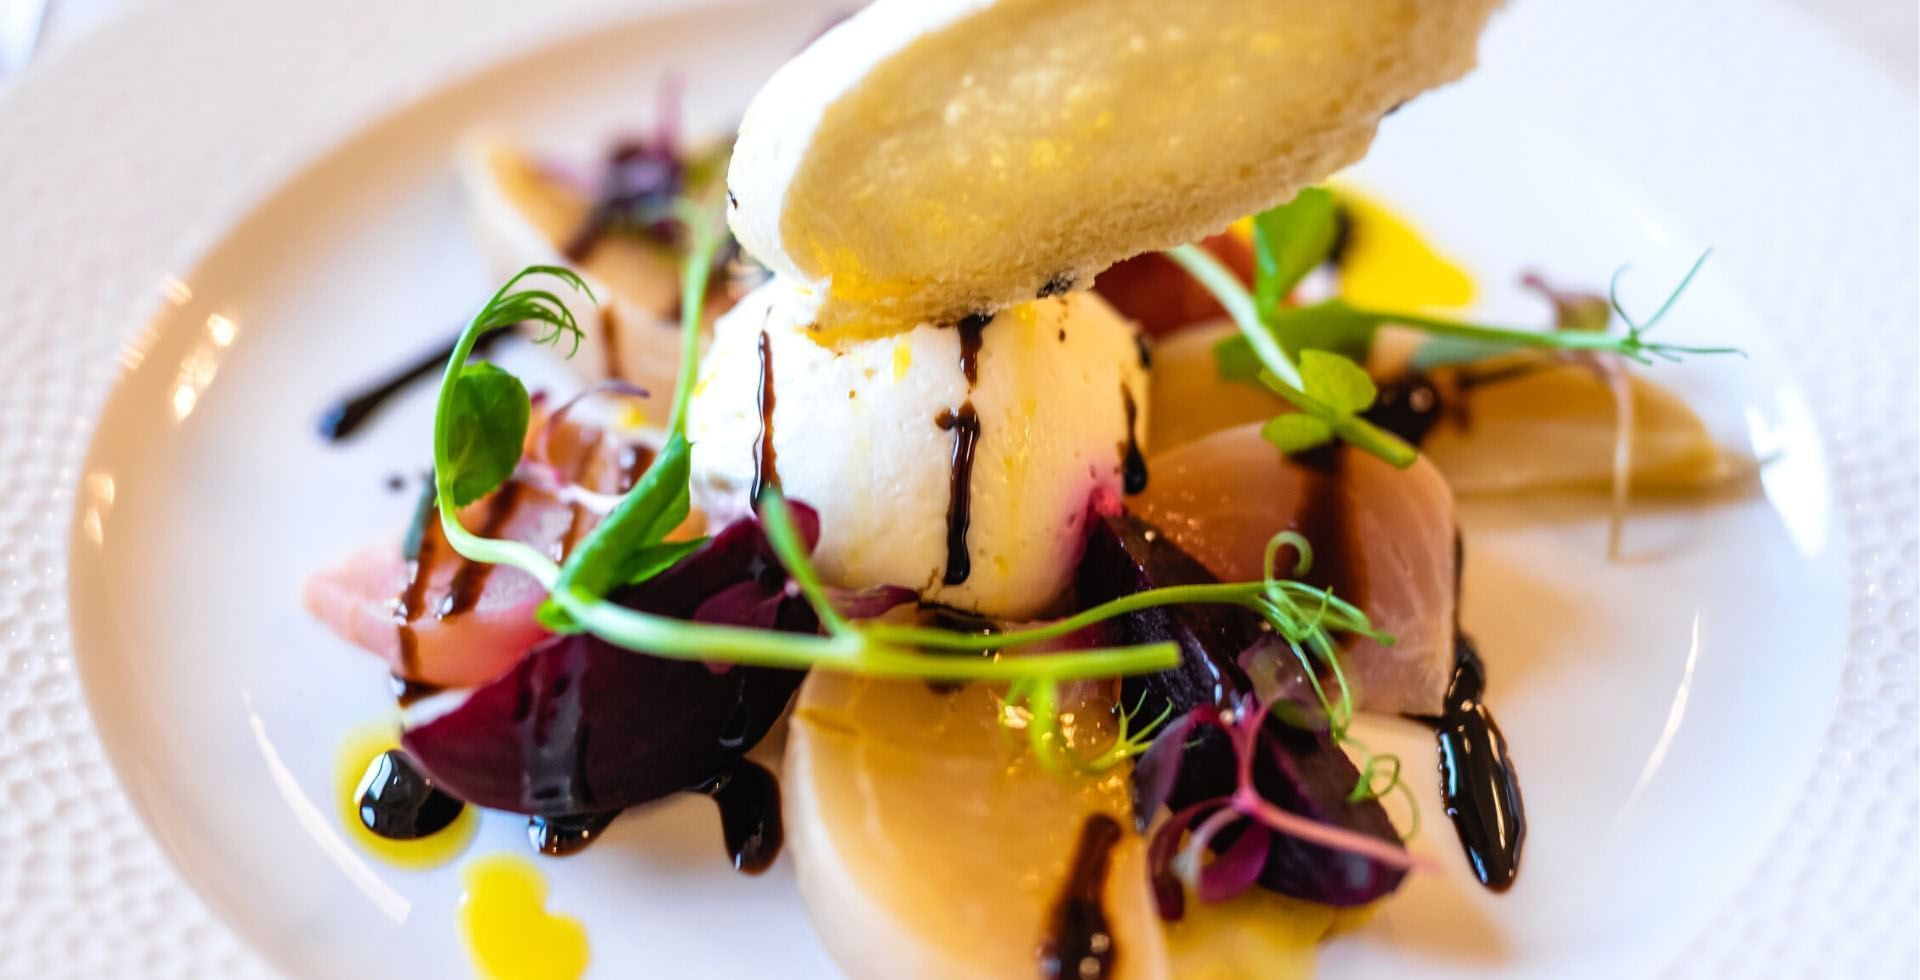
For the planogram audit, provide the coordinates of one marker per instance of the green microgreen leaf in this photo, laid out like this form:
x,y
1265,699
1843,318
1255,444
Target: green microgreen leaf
x,y
1336,392
480,419
1296,432
1235,360
1329,326
488,411
1290,241
660,501
1323,326
654,559
1267,341
1343,386
1280,374
1239,304
777,521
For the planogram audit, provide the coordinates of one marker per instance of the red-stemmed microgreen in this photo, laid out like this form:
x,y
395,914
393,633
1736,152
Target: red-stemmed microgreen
x,y
1304,621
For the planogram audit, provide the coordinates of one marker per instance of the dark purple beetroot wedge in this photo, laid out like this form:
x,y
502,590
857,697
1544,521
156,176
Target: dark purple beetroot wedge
x,y
1305,773
1298,770
1125,555
580,726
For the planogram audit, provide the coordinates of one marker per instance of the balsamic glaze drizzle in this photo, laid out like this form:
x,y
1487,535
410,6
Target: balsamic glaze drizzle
x,y
965,426
412,601
581,243
1323,522
398,802
345,416
561,836
463,593
748,796
765,463
408,693
1477,780
1409,407
972,334
1478,786
1413,405
964,423
1133,463
1080,944
955,620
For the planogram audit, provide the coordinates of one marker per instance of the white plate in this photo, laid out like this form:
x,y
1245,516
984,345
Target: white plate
x,y
1716,737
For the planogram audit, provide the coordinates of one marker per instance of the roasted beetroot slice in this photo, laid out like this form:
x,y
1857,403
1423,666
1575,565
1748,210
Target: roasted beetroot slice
x,y
1305,773
580,726
1300,771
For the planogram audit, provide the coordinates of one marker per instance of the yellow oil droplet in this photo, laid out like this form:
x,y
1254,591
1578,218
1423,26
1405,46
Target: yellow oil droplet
x,y
844,333
851,279
1259,934
1388,265
508,931
357,751
632,416
902,358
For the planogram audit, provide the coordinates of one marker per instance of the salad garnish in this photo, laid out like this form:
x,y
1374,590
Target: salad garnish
x,y
480,425
1307,354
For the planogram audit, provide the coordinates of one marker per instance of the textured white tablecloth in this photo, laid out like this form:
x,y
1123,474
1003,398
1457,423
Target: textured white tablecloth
x,y
1885,30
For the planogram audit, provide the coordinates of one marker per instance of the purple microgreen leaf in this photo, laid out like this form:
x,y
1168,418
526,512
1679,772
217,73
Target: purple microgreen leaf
x,y
868,603
741,604
1572,309
1169,894
1158,769
1235,869
806,523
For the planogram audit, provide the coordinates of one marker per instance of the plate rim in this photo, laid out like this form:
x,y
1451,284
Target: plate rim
x,y
228,38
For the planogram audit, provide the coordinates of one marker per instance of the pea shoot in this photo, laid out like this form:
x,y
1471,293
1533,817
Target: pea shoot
x,y
1307,354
